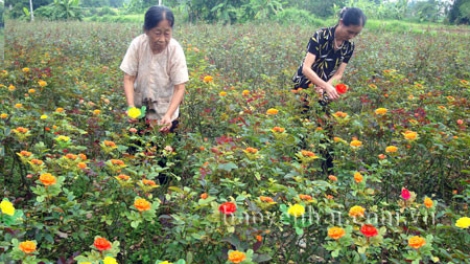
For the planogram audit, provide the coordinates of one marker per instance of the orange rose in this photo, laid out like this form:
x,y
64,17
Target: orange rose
x,y
332,178
149,182
278,129
204,196
336,232
236,256
340,114
109,144
416,242
307,153
428,202
266,199
305,197
358,177
36,162
117,162
25,153
47,179
102,244
71,156
27,246
251,150
141,204
123,177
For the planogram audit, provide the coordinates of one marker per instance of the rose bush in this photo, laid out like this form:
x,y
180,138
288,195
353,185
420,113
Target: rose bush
x,y
245,180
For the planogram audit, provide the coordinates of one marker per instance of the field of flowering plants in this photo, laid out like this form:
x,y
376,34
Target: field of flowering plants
x,y
246,184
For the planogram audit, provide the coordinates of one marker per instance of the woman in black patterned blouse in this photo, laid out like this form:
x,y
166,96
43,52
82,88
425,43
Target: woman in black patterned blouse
x,y
328,53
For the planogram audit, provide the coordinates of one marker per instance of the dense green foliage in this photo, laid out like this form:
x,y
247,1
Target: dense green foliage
x,y
241,11
243,140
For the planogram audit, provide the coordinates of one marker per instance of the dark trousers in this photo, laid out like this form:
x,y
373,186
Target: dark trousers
x,y
325,124
144,127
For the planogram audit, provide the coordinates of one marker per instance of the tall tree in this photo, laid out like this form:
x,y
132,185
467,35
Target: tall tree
x,y
460,12
14,8
31,9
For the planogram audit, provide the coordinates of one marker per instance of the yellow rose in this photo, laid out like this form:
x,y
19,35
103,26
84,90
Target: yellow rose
x,y
7,207
463,222
134,112
42,83
356,143
410,135
208,79
272,111
381,111
391,149
357,211
109,260
296,210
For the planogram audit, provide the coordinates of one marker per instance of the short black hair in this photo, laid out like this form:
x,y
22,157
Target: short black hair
x,y
156,14
352,16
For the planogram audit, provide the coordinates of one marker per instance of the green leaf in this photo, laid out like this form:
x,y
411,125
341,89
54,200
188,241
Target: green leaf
x,y
40,198
135,224
227,166
362,250
189,258
335,253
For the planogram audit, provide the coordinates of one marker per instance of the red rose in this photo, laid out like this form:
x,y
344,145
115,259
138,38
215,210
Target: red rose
x,y
341,88
405,194
102,244
369,230
227,208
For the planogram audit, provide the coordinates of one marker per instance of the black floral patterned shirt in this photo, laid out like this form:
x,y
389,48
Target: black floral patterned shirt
x,y
327,60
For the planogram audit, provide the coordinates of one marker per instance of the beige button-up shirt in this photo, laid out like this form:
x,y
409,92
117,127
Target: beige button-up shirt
x,y
156,75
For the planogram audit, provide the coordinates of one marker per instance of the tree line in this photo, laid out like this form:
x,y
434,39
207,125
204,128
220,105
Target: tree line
x,y
240,11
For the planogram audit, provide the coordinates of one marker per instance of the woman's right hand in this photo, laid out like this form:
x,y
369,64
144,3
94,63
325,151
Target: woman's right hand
x,y
331,92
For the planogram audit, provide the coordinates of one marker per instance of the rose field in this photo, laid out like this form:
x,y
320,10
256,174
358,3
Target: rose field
x,y
80,179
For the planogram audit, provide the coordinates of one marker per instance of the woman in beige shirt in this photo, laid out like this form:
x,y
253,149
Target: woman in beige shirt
x,y
155,70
